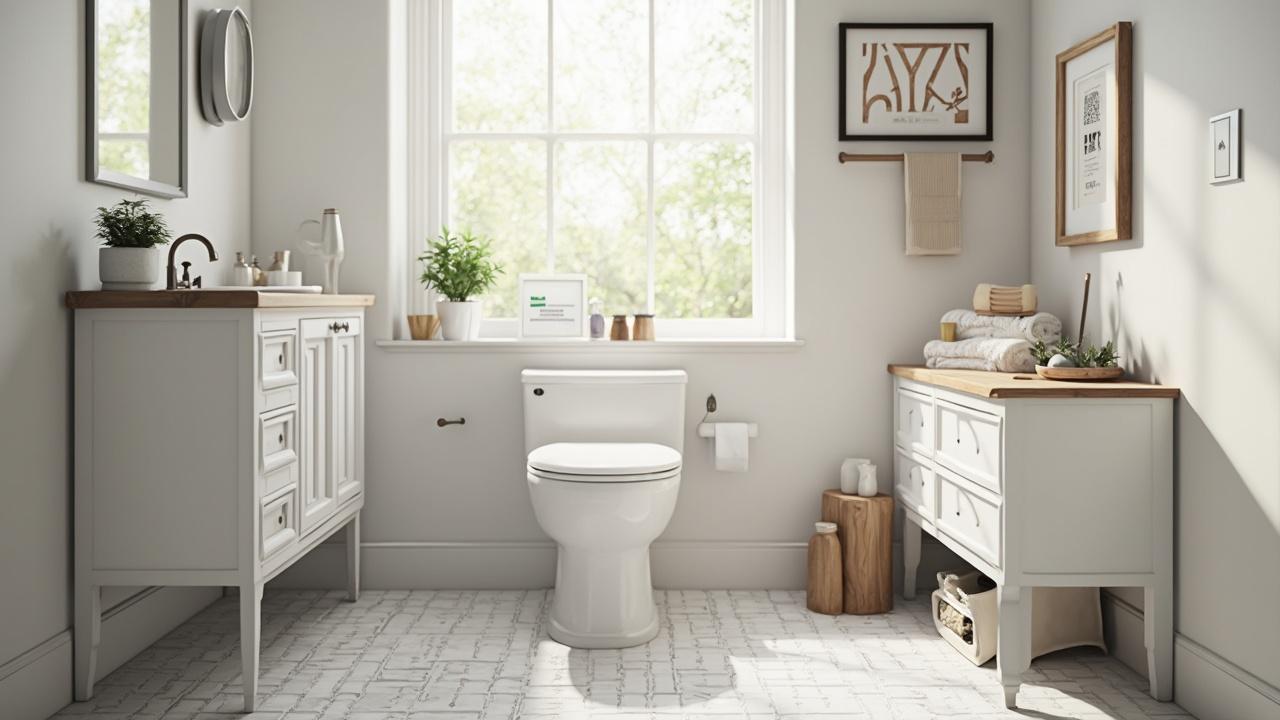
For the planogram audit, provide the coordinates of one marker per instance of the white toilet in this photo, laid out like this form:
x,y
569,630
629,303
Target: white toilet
x,y
604,456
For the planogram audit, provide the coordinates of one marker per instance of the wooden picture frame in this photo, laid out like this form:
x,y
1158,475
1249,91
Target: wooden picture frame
x,y
1094,139
965,112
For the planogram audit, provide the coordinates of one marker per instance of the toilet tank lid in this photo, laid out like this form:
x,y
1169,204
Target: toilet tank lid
x,y
610,377
602,458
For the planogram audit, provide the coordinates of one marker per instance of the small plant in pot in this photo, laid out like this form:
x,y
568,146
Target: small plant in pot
x,y
459,268
132,235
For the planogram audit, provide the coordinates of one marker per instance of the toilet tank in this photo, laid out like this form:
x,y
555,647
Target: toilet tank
x,y
604,406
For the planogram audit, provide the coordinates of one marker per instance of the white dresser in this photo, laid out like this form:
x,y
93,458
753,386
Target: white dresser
x,y
1040,483
219,437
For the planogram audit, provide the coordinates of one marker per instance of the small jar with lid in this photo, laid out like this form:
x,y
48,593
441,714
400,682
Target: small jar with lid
x,y
826,571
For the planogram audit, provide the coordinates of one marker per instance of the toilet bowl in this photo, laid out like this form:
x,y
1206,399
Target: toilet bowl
x,y
603,471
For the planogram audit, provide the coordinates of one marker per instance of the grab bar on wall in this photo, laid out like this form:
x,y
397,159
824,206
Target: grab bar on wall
x,y
986,157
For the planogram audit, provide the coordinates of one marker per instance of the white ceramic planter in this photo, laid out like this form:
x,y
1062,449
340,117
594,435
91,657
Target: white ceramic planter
x,y
459,320
126,268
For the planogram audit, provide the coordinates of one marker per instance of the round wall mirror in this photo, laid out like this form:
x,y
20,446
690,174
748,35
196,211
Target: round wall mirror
x,y
226,66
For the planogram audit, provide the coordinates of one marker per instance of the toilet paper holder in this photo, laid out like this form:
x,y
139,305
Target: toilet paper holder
x,y
708,430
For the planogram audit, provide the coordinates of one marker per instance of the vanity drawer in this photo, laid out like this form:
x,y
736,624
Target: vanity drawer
x,y
914,429
969,443
278,398
334,326
279,479
915,485
970,518
277,359
279,523
278,438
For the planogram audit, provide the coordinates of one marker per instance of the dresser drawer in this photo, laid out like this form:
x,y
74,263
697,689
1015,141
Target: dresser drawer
x,y
969,518
278,439
279,479
279,523
914,429
915,485
277,358
969,443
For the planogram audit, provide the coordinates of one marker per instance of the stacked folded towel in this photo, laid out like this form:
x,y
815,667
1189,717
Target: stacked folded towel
x,y
981,353
1041,326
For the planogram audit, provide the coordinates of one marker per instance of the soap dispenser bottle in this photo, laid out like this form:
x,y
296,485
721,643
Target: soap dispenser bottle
x,y
241,273
597,319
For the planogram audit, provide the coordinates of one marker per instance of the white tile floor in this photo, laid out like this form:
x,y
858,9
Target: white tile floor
x,y
468,655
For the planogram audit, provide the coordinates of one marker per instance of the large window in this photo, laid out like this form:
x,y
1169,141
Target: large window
x,y
624,139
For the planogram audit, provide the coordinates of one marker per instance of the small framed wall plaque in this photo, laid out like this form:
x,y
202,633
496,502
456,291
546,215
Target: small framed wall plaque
x,y
916,81
1094,137
1224,147
553,306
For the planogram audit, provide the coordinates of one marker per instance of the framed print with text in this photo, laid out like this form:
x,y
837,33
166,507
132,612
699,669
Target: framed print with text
x,y
553,305
1094,138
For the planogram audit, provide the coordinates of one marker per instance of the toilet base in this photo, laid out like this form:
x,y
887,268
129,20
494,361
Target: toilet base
x,y
603,599
565,636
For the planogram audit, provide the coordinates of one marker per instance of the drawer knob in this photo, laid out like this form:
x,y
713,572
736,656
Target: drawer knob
x,y
281,438
280,520
280,359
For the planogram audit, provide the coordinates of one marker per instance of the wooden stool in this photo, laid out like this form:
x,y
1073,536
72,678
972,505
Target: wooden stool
x,y
866,536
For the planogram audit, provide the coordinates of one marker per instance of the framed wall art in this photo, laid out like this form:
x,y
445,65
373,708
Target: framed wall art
x,y
1094,139
1224,147
916,81
553,305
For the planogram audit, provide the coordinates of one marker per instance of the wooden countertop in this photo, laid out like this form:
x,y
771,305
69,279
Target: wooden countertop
x,y
1027,385
92,299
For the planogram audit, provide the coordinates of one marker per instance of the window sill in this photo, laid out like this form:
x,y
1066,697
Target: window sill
x,y
513,345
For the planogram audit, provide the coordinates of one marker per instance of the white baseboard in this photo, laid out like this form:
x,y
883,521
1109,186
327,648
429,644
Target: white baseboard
x,y
676,564
1206,684
37,683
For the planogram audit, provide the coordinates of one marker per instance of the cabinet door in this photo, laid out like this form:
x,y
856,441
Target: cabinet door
x,y
344,415
319,491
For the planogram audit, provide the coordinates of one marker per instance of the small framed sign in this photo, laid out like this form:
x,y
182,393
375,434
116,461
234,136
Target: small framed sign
x,y
1224,147
553,306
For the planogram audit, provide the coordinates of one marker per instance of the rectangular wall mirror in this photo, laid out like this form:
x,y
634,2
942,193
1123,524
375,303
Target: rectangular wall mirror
x,y
136,88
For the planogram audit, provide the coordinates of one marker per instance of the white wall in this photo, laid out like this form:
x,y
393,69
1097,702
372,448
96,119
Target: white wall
x,y
1193,301
450,507
46,210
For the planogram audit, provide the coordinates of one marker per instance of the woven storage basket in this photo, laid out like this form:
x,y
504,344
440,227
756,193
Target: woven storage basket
x,y
1060,618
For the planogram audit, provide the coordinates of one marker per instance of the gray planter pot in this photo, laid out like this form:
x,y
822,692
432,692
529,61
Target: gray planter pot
x,y
122,268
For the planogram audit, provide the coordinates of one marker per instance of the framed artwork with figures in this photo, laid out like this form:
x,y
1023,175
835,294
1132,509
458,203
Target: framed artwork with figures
x,y
916,81
1094,139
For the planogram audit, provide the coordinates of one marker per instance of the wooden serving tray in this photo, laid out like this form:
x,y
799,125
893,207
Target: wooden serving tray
x,y
1080,374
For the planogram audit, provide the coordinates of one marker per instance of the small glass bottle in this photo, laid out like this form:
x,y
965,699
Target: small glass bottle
x,y
259,276
241,273
597,319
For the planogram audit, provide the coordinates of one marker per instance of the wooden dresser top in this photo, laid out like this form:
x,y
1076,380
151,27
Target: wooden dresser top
x,y
1027,385
98,299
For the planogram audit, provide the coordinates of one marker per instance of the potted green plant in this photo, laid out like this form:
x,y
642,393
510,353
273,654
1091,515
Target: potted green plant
x,y
458,268
132,235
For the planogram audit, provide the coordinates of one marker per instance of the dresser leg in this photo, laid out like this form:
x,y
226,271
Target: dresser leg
x,y
353,558
1158,621
911,533
250,638
1013,644
88,632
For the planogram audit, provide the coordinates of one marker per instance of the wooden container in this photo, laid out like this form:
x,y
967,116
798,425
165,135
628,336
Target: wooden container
x,y
642,328
423,327
826,584
866,536
619,329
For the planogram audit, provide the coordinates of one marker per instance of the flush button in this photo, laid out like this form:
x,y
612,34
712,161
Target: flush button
x,y
538,391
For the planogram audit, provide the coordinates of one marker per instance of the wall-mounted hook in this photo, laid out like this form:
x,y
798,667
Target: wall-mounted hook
x,y
441,422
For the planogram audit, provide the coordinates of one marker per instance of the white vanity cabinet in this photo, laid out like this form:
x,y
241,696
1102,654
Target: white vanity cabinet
x,y
1041,484
218,439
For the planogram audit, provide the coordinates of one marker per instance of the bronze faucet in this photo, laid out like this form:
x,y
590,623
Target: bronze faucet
x,y
171,272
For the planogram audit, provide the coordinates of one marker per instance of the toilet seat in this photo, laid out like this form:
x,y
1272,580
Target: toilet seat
x,y
604,462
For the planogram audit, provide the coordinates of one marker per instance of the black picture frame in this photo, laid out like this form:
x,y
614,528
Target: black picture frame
x,y
846,136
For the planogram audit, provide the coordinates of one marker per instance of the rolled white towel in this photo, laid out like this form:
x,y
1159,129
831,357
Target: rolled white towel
x,y
992,354
1041,326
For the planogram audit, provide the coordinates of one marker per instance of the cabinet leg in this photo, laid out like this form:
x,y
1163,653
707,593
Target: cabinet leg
x,y
87,633
911,533
250,638
1158,621
353,559
1013,643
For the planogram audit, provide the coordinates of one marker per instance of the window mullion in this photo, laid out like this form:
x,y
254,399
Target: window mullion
x,y
551,139
651,224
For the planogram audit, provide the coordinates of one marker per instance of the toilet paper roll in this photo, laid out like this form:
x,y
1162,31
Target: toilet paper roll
x,y
731,447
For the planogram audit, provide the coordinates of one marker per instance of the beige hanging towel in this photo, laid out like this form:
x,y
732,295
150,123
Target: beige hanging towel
x,y
933,203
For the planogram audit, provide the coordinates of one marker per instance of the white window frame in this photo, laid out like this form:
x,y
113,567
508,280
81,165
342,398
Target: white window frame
x,y
429,74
